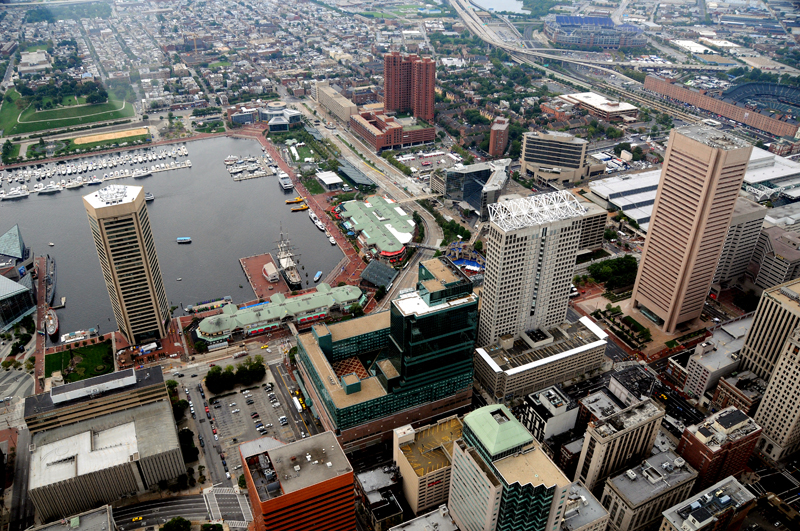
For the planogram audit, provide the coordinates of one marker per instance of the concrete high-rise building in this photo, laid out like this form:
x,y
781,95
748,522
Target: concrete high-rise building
x,y
307,484
498,137
720,446
636,498
740,241
530,249
502,479
777,317
121,231
722,506
615,443
700,181
776,257
554,156
408,84
423,457
779,412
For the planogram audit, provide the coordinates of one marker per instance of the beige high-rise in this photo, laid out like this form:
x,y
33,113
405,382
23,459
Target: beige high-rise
x,y
702,174
124,241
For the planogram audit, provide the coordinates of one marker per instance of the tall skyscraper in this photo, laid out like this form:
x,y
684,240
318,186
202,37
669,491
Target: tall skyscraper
x,y
700,181
777,316
531,247
615,443
121,231
501,479
498,137
408,84
779,412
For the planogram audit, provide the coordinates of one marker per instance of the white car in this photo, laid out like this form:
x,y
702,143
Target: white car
x,y
232,404
236,411
216,437
276,405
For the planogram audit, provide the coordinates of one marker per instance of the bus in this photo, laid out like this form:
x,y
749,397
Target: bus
x,y
426,163
297,405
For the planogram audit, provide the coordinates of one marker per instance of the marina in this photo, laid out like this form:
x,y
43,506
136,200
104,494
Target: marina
x,y
190,203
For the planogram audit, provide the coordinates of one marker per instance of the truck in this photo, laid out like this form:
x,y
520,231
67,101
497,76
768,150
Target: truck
x,y
241,354
297,405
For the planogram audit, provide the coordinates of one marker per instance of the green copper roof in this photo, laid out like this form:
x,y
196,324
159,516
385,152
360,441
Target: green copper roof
x,y
11,243
9,288
383,223
497,429
278,310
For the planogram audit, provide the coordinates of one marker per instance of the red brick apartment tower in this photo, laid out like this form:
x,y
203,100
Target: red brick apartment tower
x,y
307,484
408,84
498,137
720,446
423,84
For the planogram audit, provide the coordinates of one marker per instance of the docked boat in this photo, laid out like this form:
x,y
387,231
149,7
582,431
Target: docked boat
x,y
94,181
320,225
184,239
188,163
149,197
297,199
50,188
80,335
20,192
285,181
332,240
318,276
299,208
236,169
50,280
287,265
141,173
51,322
74,183
231,159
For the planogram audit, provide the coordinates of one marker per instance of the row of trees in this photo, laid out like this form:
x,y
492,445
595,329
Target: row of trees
x,y
247,372
615,273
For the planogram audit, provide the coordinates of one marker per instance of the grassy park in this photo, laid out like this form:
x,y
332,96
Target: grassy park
x,y
30,120
88,361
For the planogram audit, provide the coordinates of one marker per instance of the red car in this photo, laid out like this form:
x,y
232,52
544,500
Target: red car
x,y
214,431
207,409
212,364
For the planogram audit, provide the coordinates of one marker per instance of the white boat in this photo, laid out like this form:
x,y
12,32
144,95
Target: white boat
x,y
51,188
94,181
231,159
141,173
20,192
188,163
74,183
51,244
332,240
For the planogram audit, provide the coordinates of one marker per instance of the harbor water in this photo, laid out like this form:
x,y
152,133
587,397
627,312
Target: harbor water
x,y
226,220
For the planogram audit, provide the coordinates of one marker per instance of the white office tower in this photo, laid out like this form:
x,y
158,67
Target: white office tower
x,y
531,247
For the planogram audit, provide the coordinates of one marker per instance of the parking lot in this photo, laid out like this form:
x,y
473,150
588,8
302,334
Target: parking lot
x,y
232,423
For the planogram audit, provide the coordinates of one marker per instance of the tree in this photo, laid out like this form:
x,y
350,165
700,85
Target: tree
x,y
172,385
242,482
179,409
188,449
380,293
478,245
177,524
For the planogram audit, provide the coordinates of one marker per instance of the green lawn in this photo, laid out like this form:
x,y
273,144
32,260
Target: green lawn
x,y
35,47
305,153
219,63
14,151
70,147
376,14
32,120
312,185
91,364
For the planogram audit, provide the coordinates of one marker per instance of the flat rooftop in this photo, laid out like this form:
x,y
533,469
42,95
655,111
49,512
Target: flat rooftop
x,y
442,275
530,466
728,339
628,418
107,385
597,101
768,167
712,137
601,404
727,425
786,294
294,466
113,194
414,304
432,446
582,508
576,338
102,442
704,505
658,473
357,327
438,519
747,383
99,519
370,387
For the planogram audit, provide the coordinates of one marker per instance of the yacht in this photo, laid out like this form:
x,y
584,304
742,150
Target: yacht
x,y
15,193
50,188
188,163
94,181
149,197
74,183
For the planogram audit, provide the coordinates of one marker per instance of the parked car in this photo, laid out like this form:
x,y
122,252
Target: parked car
x,y
236,411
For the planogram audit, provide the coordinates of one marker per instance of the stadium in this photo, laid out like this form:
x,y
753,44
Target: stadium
x,y
768,98
589,32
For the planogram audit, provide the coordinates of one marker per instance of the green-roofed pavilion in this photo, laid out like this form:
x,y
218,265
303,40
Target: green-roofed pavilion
x,y
381,224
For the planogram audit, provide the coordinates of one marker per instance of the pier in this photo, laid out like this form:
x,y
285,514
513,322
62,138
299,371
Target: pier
x,y
59,306
262,288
